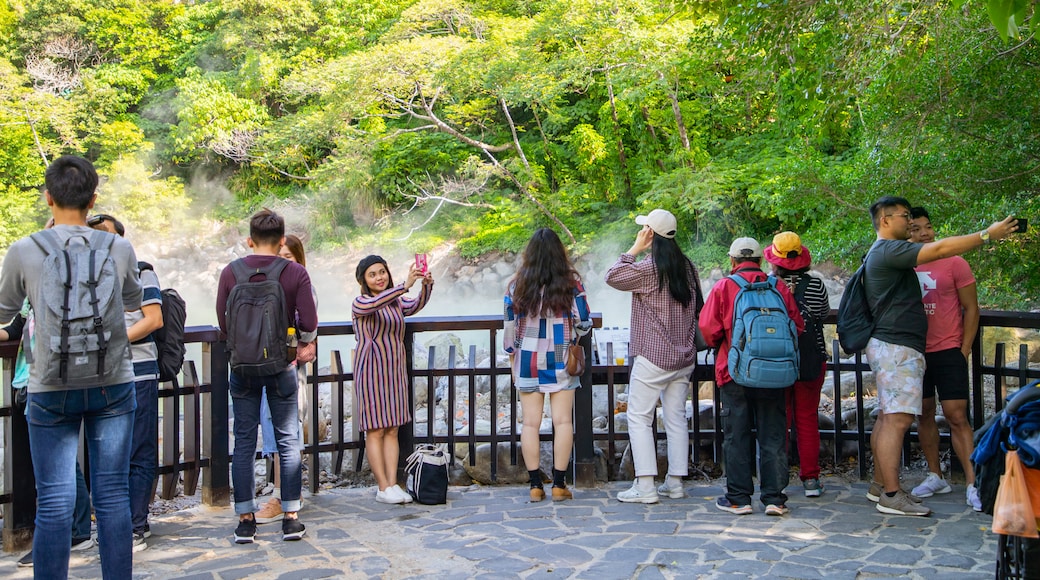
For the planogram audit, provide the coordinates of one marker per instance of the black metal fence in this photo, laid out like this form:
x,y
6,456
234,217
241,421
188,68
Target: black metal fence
x,y
195,414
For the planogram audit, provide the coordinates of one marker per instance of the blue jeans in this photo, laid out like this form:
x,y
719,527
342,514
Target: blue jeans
x,y
281,397
144,452
745,409
54,425
267,429
81,513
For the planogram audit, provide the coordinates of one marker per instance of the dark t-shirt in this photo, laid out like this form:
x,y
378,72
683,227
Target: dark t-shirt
x,y
894,293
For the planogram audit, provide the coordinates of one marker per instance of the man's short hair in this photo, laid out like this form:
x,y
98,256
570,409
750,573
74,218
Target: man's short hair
x,y
266,228
71,182
919,212
878,208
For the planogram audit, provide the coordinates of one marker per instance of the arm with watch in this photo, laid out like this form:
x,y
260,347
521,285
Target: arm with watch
x,y
957,245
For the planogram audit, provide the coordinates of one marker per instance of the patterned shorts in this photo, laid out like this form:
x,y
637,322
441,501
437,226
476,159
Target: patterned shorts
x,y
899,372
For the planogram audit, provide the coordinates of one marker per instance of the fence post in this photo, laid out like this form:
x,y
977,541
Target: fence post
x,y
584,446
216,481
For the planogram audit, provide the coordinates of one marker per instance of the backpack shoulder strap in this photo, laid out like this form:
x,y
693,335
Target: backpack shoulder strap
x,y
47,241
100,240
241,271
273,271
741,282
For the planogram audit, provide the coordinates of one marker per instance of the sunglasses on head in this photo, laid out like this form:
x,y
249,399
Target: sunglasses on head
x,y
96,220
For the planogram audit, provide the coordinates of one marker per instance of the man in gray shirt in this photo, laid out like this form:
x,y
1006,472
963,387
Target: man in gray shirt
x,y
83,379
897,344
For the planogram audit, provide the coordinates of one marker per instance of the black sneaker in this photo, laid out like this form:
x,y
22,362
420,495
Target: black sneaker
x,y
26,560
292,529
246,531
140,543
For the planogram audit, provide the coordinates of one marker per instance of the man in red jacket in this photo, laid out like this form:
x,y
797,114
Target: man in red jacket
x,y
747,408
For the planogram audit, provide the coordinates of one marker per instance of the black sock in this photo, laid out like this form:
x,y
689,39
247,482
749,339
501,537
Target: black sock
x,y
890,493
559,478
536,478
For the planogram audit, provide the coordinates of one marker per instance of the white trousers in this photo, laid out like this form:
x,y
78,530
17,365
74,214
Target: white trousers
x,y
648,384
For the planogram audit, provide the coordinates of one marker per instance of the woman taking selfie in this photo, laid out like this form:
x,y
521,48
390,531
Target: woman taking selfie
x,y
380,376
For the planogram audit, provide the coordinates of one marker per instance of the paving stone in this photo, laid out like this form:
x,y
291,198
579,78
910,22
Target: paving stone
x,y
890,555
561,553
748,567
877,570
645,528
205,576
649,572
600,540
506,565
371,565
681,560
792,570
550,573
241,572
311,573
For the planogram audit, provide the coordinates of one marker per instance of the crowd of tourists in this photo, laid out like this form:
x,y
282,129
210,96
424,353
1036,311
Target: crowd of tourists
x,y
95,327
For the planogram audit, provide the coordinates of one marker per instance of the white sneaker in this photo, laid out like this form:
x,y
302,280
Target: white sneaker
x,y
407,497
972,498
388,496
931,485
636,495
672,492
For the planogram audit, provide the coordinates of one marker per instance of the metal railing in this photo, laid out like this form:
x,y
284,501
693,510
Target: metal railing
x,y
195,414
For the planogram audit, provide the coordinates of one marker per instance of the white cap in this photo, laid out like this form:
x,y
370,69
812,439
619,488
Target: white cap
x,y
659,220
745,248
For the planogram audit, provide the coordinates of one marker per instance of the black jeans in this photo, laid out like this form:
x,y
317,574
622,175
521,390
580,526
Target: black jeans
x,y
745,409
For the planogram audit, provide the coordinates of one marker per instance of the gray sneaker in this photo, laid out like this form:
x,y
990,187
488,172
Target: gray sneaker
x,y
876,490
812,487
672,492
636,495
900,505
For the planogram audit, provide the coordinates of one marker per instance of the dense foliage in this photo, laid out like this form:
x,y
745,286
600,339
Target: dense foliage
x,y
477,120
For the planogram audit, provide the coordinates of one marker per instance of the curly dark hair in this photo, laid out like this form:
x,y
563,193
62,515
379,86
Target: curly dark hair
x,y
544,284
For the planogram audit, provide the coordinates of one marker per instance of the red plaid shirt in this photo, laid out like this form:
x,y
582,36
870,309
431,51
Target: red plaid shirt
x,y
662,330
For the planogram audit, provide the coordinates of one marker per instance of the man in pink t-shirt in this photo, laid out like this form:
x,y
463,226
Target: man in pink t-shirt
x,y
952,307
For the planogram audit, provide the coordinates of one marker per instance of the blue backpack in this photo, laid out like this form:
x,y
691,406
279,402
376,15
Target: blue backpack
x,y
764,351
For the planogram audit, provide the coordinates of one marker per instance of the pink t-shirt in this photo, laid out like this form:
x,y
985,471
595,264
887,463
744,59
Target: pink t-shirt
x,y
940,281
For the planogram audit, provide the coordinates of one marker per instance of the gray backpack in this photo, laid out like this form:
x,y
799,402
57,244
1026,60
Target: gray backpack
x,y
80,330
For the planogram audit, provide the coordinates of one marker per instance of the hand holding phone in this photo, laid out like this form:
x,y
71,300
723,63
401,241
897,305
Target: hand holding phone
x,y
421,263
1022,226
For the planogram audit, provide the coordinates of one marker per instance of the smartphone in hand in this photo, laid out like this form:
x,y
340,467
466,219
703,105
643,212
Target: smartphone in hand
x,y
421,263
1023,225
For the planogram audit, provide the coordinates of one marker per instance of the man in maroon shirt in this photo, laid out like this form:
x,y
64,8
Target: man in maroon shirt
x,y
266,236
747,408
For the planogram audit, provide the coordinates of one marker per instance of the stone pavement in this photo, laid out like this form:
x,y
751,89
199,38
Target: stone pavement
x,y
494,532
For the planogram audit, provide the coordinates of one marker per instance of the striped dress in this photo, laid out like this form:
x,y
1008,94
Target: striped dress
x,y
380,377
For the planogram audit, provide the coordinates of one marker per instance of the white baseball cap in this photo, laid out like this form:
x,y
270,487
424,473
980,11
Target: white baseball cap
x,y
745,248
661,221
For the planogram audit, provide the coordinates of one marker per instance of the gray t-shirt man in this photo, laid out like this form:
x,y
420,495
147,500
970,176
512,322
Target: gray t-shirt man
x,y
894,293
20,277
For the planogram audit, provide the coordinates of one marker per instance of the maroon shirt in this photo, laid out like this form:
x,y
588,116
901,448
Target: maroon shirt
x,y
295,283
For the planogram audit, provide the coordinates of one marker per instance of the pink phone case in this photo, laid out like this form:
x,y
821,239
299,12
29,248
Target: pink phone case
x,y
420,262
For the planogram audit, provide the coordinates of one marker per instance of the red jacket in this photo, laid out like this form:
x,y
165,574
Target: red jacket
x,y
716,320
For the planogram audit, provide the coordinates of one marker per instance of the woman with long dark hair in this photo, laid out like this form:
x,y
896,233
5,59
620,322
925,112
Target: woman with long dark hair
x,y
666,299
380,373
545,312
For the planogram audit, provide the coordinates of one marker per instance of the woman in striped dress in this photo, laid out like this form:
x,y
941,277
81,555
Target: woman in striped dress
x,y
380,377
545,310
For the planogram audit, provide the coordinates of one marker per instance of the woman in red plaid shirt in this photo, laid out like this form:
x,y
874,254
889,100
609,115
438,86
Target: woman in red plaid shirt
x,y
666,298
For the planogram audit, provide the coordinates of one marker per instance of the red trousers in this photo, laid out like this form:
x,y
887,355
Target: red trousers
x,y
803,411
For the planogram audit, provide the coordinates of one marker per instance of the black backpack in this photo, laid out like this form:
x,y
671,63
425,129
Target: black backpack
x,y
855,321
257,322
810,362
169,340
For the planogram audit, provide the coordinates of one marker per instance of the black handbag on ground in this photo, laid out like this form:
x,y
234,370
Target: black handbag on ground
x,y
427,471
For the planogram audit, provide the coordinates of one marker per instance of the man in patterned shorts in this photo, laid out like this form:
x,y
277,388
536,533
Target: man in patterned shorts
x,y
897,344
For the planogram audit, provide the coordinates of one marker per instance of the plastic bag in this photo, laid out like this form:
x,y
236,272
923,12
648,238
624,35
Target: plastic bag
x,y
1013,512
